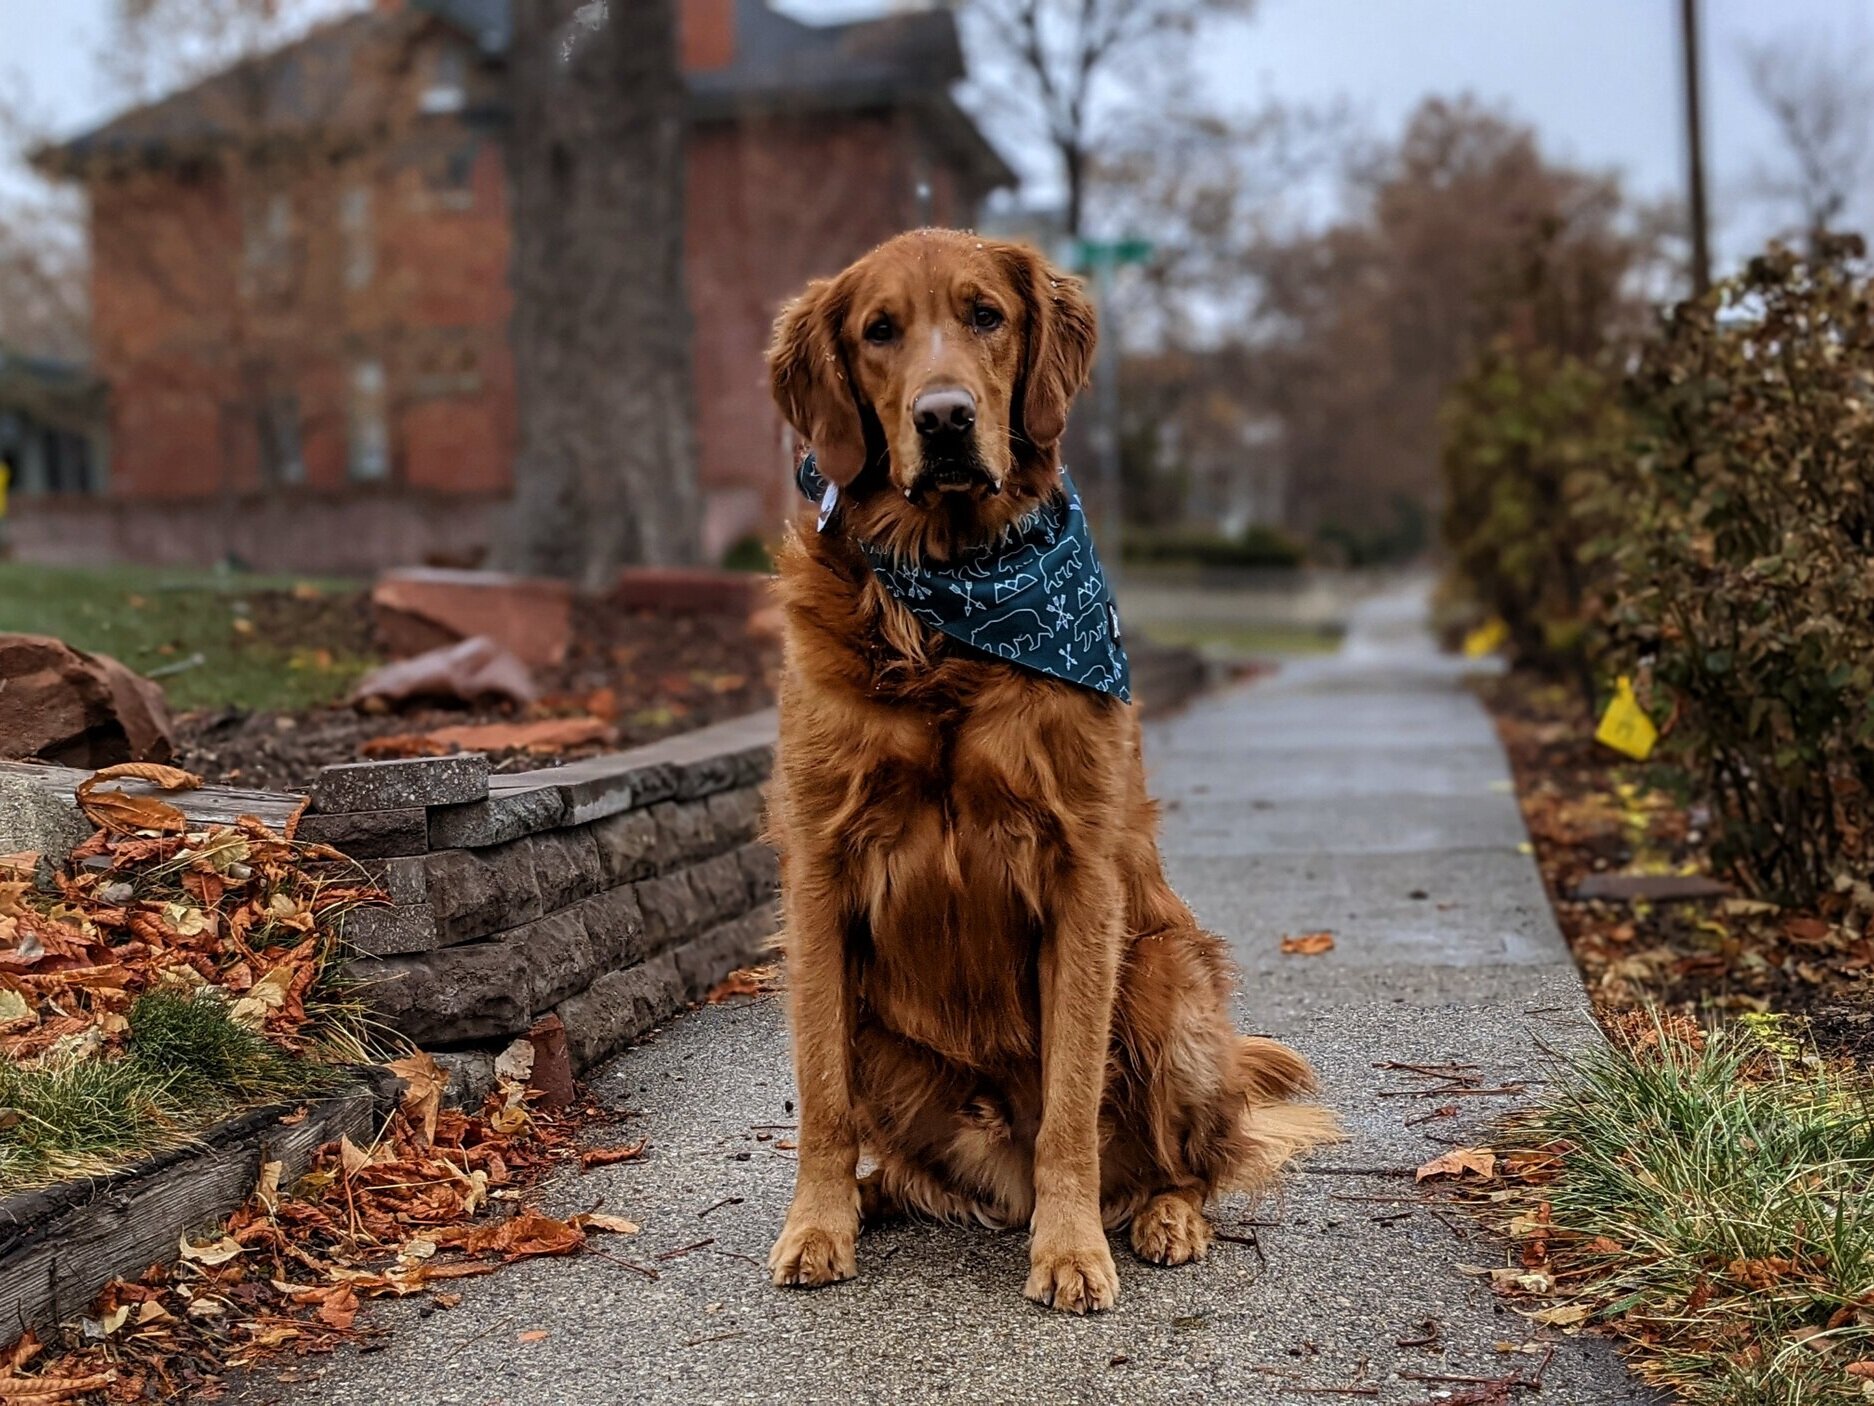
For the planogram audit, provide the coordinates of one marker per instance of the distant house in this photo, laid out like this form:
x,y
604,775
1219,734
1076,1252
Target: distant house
x,y
52,427
307,348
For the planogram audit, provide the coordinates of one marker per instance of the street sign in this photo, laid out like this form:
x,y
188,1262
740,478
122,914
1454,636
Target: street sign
x,y
1093,253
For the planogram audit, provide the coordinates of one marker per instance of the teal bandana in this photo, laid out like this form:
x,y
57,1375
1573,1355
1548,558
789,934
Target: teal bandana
x,y
1036,597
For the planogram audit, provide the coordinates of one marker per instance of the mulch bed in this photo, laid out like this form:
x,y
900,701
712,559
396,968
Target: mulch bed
x,y
1591,811
642,674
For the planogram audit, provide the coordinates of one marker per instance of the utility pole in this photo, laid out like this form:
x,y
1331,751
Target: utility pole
x,y
1695,151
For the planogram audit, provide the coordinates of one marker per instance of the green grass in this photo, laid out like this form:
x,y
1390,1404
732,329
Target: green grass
x,y
151,618
187,1064
1732,1186
1242,641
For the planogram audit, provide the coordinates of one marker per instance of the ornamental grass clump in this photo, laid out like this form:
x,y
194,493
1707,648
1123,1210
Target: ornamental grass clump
x,y
1741,556
1705,1197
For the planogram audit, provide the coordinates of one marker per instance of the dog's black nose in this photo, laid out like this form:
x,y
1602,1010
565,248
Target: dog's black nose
x,y
943,412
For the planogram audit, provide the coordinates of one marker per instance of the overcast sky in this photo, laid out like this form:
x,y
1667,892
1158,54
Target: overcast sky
x,y
1598,78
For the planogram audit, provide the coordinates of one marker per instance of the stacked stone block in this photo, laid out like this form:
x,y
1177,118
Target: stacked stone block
x,y
610,892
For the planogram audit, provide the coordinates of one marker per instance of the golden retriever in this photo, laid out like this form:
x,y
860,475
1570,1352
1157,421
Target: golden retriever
x,y
994,992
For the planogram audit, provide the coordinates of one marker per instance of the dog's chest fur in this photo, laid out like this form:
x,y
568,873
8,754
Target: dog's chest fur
x,y
961,788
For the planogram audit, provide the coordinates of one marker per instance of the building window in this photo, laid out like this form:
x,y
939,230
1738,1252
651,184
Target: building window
x,y
269,232
369,425
446,89
354,221
282,458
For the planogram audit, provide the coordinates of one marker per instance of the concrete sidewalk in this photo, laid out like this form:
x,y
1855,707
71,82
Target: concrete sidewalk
x,y
1365,795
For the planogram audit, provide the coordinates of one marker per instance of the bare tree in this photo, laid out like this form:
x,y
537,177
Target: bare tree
x,y
1821,100
42,244
606,471
1069,57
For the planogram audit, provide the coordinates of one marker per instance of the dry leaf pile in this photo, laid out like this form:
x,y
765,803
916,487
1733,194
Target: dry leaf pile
x,y
149,902
1589,812
439,1196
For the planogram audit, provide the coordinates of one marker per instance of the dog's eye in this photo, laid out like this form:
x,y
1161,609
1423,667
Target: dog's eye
x,y
879,331
985,318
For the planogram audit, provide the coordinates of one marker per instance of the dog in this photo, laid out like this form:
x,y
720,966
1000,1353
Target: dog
x,y
994,993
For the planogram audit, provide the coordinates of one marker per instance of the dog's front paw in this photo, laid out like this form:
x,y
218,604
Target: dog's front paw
x,y
810,1253
1075,1278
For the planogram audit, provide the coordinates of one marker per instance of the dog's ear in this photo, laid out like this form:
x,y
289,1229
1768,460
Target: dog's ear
x,y
812,386
1061,335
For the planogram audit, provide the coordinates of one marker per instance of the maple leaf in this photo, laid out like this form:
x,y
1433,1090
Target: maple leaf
x,y
424,1081
1481,1161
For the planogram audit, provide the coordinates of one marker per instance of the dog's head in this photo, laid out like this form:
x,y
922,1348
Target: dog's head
x,y
934,375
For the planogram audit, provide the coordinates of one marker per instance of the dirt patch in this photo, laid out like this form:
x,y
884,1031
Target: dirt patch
x,y
645,675
1590,811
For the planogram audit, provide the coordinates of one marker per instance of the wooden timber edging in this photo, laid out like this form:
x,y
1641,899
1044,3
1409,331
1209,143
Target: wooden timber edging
x,y
59,1247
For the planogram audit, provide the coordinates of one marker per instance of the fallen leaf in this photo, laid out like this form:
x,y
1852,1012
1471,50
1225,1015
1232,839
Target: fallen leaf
x,y
516,1062
1309,944
1565,1315
424,1082
52,1388
744,981
14,1010
527,1234
121,812
267,1189
218,1252
610,1156
547,734
446,1300
1482,1161
352,1157
617,1225
339,1310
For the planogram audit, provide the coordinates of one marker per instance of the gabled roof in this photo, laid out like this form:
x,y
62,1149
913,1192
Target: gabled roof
x,y
906,60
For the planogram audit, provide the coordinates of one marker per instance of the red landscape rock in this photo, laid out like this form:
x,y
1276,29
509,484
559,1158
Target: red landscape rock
x,y
689,590
420,609
63,705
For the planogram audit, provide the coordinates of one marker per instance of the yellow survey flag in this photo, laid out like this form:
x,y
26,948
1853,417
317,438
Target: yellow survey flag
x,y
1487,638
1625,726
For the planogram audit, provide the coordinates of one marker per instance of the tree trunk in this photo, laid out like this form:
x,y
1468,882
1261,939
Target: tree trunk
x,y
606,469
1074,169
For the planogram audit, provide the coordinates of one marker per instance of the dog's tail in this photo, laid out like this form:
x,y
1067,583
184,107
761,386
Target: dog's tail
x,y
1275,1124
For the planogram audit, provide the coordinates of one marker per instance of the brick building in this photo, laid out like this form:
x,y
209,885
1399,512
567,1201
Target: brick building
x,y
299,273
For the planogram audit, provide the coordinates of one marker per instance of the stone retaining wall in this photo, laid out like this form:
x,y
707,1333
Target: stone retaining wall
x,y
609,892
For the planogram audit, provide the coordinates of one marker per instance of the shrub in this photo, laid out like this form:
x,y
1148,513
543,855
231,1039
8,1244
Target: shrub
x,y
1744,559
748,553
1401,537
1256,547
1528,435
